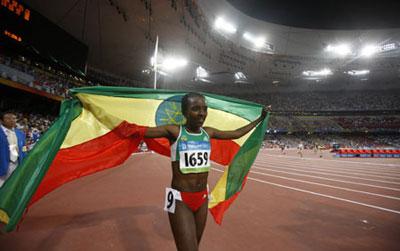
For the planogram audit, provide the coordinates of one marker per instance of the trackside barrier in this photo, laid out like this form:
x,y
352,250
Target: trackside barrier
x,y
367,153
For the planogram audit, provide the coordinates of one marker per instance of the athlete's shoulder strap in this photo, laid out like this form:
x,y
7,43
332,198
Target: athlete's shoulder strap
x,y
203,130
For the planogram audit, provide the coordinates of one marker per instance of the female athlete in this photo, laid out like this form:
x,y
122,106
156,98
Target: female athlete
x,y
187,199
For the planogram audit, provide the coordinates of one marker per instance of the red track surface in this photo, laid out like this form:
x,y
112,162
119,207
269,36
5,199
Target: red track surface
x,y
289,203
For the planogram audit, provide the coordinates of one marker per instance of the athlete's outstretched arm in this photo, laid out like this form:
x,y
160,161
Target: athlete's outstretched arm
x,y
235,134
167,131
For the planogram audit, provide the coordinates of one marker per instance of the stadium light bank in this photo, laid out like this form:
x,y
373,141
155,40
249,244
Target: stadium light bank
x,y
240,78
170,63
340,49
258,42
202,75
370,50
225,26
317,75
358,72
322,73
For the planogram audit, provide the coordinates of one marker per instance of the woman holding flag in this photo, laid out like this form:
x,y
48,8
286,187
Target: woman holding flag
x,y
186,200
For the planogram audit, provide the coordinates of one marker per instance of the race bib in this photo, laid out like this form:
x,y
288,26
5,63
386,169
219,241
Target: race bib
x,y
194,159
171,195
194,154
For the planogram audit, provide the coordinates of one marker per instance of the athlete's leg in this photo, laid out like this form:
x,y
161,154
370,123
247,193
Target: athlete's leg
x,y
183,227
201,219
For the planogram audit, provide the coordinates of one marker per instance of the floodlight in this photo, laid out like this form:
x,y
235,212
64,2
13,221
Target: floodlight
x,y
257,41
223,25
173,63
169,63
323,72
388,47
201,72
358,72
341,49
146,71
240,76
369,50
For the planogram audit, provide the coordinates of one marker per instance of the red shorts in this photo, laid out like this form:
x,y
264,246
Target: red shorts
x,y
194,200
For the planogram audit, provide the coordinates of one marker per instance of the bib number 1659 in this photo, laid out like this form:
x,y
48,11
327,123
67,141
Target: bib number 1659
x,y
196,159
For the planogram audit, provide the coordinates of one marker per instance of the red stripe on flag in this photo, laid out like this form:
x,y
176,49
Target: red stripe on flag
x,y
159,145
98,154
223,151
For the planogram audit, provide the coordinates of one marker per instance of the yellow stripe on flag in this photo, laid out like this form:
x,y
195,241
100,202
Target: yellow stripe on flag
x,y
4,217
101,114
218,193
113,110
84,128
225,121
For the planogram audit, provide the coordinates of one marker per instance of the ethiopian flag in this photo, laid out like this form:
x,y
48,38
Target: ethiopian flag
x,y
100,127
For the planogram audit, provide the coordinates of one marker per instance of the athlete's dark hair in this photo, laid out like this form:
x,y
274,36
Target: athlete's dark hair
x,y
185,100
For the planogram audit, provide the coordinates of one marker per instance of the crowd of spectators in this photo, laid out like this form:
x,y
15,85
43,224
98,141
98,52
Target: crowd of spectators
x,y
290,123
326,141
375,123
329,124
37,75
33,125
360,100
45,78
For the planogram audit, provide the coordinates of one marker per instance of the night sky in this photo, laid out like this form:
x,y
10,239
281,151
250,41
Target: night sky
x,y
324,14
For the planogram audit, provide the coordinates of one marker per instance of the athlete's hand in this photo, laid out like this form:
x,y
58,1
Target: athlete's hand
x,y
266,110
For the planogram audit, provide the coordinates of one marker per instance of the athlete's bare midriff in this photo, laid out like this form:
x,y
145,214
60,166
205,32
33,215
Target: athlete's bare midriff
x,y
191,182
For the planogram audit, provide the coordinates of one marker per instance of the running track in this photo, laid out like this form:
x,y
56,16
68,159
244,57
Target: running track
x,y
289,203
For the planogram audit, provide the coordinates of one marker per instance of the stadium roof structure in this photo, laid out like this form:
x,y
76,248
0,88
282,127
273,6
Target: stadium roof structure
x,y
121,36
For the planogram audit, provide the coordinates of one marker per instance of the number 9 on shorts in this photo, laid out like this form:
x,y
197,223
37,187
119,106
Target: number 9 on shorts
x,y
171,195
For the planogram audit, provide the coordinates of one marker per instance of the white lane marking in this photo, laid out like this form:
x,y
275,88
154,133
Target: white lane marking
x,y
325,185
332,174
395,175
322,178
139,153
320,194
345,161
342,165
335,167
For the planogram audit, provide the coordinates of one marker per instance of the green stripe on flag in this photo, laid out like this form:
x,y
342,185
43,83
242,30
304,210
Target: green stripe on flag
x,y
20,187
240,165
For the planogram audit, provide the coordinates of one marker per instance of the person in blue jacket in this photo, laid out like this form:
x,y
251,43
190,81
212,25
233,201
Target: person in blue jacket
x,y
12,145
